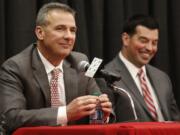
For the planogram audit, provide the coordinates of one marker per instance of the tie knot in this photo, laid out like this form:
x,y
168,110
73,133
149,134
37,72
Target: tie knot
x,y
141,73
55,73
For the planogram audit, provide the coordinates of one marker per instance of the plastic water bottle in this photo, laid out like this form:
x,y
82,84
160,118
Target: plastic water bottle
x,y
97,117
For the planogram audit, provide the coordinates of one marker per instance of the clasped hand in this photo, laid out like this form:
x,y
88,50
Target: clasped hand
x,y
85,106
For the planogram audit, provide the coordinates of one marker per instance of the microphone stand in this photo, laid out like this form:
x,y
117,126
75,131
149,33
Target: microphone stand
x,y
118,89
2,124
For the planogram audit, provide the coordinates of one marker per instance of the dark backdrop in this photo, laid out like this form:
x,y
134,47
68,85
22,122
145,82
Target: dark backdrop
x,y
99,26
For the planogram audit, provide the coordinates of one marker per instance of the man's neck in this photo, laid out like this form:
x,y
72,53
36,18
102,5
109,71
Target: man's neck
x,y
51,58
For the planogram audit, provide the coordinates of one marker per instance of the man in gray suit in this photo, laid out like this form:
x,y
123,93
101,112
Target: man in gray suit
x,y
140,42
25,78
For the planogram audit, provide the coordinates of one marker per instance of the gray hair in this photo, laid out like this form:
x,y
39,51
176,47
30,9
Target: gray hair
x,y
44,11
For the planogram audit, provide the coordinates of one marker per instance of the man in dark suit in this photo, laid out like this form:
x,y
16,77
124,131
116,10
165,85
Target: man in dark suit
x,y
25,78
152,96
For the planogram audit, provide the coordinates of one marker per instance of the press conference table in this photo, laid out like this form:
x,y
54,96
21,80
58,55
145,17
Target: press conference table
x,y
130,128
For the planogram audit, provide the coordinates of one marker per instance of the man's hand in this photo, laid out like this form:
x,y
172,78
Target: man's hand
x,y
84,106
106,105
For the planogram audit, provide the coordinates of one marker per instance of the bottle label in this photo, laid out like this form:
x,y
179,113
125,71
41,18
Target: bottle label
x,y
97,117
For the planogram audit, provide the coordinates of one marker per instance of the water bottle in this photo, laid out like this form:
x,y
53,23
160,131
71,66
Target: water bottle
x,y
97,117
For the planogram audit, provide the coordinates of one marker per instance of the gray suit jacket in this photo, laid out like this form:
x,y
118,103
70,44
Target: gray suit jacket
x,y
161,84
25,91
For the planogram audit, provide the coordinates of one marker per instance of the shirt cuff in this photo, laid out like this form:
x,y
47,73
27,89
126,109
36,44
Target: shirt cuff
x,y
62,116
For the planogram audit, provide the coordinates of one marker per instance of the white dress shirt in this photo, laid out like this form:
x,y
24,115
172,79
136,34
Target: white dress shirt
x,y
62,114
133,70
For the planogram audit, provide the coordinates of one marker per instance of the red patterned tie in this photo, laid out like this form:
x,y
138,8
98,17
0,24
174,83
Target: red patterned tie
x,y
55,102
147,95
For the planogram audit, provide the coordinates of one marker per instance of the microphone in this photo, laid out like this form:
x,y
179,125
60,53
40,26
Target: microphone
x,y
109,76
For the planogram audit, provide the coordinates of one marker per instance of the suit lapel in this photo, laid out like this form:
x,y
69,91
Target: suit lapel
x,y
70,79
70,82
154,79
41,76
128,83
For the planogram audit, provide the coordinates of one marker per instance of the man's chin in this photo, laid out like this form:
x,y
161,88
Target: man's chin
x,y
145,62
65,53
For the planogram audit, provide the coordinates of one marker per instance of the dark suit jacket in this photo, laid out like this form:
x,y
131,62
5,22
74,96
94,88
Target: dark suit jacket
x,y
161,84
25,90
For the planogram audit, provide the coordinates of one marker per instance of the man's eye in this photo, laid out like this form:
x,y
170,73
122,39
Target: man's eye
x,y
155,43
73,30
143,40
59,28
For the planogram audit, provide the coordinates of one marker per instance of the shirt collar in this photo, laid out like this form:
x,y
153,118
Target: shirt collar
x,y
48,66
131,67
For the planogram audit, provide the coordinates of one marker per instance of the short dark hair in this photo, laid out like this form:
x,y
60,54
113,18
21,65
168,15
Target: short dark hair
x,y
139,19
43,12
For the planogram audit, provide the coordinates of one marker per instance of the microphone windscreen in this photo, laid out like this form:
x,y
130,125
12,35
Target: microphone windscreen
x,y
83,66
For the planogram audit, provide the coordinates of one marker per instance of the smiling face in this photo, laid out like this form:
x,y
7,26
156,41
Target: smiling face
x,y
56,39
141,47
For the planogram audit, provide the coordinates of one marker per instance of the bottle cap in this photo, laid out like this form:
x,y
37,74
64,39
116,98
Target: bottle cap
x,y
96,94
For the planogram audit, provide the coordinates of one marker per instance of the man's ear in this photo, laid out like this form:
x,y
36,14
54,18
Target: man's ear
x,y
39,31
125,39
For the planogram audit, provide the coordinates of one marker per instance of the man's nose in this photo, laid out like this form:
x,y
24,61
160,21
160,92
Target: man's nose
x,y
149,46
68,34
